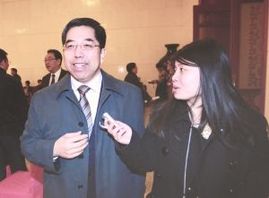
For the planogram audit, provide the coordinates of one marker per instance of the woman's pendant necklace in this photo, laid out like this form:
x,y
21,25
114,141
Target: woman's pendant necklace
x,y
206,131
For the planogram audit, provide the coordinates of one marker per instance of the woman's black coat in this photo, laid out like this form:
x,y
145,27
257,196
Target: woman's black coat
x,y
215,170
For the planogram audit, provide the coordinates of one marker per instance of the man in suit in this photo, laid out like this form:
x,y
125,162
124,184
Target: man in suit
x,y
13,111
63,134
53,61
15,75
132,78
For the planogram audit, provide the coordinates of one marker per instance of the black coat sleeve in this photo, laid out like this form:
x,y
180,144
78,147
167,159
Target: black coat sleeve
x,y
142,154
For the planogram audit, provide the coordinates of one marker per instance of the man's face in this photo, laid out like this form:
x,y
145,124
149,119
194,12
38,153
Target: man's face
x,y
4,64
52,64
82,54
135,70
13,72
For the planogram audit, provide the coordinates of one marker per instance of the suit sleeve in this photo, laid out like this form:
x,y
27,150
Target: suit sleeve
x,y
142,154
13,106
133,109
257,181
34,145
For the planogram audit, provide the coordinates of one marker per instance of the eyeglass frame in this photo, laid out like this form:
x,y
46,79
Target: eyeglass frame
x,y
82,46
50,59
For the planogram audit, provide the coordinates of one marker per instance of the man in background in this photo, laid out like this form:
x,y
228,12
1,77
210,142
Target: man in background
x,y
15,75
53,61
132,78
13,112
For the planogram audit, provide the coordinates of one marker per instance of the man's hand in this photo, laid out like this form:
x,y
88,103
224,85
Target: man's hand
x,y
70,145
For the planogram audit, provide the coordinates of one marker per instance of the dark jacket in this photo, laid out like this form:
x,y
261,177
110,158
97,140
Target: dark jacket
x,y
133,79
54,111
214,169
46,78
13,105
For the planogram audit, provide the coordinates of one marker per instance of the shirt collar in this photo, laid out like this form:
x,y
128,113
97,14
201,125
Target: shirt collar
x,y
57,73
108,82
95,83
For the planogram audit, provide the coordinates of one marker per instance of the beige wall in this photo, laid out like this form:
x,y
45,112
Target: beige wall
x,y
137,31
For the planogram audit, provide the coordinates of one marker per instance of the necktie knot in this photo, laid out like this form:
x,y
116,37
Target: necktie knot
x,y
83,89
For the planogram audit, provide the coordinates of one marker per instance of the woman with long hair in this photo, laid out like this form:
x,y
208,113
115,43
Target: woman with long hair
x,y
206,141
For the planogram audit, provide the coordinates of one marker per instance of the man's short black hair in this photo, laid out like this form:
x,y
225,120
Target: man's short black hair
x,y
3,55
100,33
56,54
130,67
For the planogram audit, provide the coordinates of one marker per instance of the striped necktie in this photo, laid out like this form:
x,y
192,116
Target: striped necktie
x,y
84,103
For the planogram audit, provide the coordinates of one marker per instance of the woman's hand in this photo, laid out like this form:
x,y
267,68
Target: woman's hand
x,y
120,131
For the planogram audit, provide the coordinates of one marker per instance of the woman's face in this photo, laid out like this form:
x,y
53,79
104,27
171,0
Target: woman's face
x,y
186,83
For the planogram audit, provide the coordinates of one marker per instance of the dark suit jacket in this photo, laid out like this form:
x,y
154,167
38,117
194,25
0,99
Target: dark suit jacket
x,y
46,78
133,79
13,105
55,111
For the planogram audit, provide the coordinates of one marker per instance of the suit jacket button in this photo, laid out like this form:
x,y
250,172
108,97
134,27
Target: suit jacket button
x,y
80,124
80,186
165,150
157,174
233,164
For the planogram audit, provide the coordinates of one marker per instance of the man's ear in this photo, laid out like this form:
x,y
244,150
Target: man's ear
x,y
102,54
59,62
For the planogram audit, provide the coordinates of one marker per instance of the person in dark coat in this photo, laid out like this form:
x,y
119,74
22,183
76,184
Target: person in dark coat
x,y
15,75
162,90
28,90
13,112
132,78
53,62
78,156
206,141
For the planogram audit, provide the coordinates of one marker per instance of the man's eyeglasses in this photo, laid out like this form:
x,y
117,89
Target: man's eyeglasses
x,y
83,46
49,59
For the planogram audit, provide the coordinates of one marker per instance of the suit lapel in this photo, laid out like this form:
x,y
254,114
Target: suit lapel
x,y
62,74
46,80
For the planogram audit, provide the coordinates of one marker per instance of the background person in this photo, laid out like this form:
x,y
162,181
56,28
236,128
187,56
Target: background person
x,y
53,61
15,75
13,111
28,91
132,78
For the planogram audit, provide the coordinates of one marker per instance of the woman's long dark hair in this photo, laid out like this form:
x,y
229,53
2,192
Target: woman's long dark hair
x,y
228,115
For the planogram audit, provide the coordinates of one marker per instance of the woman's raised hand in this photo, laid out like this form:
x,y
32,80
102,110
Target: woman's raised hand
x,y
120,131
